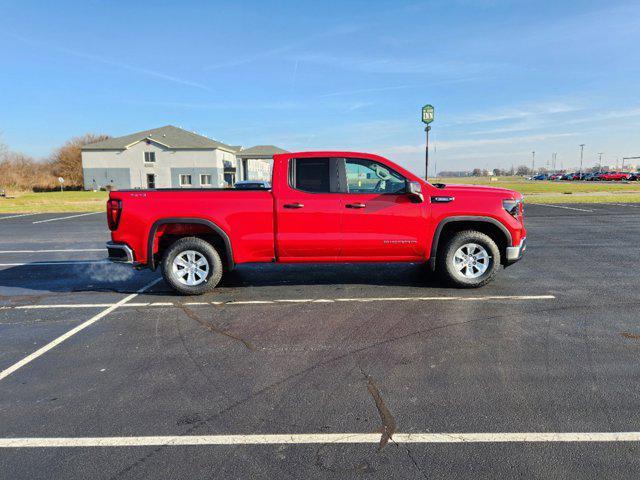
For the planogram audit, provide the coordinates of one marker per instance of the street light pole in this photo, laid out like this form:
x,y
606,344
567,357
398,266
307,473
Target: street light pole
x,y
599,161
554,161
533,162
581,154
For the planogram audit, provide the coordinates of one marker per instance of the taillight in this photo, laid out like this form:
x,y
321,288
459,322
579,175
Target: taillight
x,y
114,209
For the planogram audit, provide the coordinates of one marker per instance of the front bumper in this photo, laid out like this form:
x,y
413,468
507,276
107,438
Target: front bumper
x,y
119,252
515,253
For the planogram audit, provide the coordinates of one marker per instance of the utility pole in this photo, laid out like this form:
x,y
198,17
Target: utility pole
x,y
554,155
599,161
533,162
581,154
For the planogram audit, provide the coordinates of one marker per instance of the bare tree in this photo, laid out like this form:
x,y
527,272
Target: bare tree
x,y
67,160
523,170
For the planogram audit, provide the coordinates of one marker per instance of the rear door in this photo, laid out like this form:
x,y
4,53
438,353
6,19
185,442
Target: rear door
x,y
308,211
380,220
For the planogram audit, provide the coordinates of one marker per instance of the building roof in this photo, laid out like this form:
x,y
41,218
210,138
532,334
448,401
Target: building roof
x,y
169,136
260,151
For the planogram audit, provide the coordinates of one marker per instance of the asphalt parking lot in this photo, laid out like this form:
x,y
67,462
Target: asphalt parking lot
x,y
306,371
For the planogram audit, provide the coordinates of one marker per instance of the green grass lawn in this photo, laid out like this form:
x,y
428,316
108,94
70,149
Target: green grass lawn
x,y
534,191
547,187
29,202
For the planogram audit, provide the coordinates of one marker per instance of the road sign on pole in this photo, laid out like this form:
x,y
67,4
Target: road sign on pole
x,y
428,115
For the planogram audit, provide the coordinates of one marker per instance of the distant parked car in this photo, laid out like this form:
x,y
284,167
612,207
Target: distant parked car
x,y
252,185
589,177
635,176
567,176
616,176
555,176
579,176
541,176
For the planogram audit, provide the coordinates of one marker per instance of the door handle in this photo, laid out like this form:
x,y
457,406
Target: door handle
x,y
355,205
293,205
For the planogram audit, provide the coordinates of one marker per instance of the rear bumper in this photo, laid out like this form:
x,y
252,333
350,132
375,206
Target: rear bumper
x,y
119,252
515,253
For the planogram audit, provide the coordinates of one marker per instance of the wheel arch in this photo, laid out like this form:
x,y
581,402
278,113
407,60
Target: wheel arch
x,y
215,232
488,225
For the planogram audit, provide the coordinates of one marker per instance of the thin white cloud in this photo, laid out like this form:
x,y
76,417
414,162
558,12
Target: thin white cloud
x,y
515,112
475,143
106,61
358,106
365,90
279,51
386,65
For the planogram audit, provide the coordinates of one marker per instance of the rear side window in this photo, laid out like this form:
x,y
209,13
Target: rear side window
x,y
311,174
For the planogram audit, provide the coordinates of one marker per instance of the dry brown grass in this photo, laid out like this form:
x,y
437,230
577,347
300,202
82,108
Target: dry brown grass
x,y
22,173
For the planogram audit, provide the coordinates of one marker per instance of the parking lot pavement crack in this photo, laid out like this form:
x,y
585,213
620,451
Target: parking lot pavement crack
x,y
214,329
412,458
388,422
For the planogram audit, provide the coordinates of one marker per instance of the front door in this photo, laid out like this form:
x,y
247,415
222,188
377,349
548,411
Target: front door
x,y
309,212
380,221
151,180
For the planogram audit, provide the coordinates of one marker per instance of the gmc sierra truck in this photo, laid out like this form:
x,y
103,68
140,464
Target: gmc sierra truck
x,y
319,207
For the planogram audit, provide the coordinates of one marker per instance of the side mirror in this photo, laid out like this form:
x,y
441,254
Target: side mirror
x,y
414,190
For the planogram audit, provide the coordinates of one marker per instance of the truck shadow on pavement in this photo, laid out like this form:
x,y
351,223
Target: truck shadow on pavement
x,y
392,274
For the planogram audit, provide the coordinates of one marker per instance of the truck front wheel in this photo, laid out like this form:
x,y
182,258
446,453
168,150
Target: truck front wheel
x,y
469,259
191,266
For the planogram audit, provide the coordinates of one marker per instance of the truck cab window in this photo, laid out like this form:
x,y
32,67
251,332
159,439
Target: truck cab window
x,y
311,174
367,176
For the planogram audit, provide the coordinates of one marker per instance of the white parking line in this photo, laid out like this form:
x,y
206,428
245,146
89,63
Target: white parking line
x,y
56,250
319,438
62,262
284,301
16,216
560,206
386,299
64,218
41,351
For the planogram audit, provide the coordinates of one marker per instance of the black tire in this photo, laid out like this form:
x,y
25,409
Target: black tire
x,y
203,248
445,259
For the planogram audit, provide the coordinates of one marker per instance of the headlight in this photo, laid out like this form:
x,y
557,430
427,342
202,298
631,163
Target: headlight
x,y
512,206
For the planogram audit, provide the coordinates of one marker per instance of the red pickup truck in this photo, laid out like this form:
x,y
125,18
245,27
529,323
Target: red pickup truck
x,y
321,207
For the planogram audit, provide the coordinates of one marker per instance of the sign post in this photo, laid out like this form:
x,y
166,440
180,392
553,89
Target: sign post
x,y
428,115
61,180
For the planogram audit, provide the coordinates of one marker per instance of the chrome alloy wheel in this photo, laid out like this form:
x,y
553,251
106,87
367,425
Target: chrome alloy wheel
x,y
190,268
471,260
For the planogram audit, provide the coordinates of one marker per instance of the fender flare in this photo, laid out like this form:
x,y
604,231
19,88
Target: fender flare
x,y
200,221
458,219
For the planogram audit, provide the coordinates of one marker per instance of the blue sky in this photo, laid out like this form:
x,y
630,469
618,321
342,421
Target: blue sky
x,y
506,77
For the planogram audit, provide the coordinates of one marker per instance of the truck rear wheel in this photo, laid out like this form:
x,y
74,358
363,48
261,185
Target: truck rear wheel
x,y
469,259
191,266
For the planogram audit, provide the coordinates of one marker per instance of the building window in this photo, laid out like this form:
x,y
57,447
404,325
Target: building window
x,y
205,180
185,180
151,180
149,157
